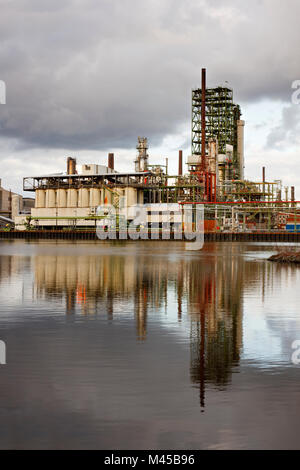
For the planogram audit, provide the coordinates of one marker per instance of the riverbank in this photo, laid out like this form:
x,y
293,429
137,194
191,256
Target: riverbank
x,y
286,257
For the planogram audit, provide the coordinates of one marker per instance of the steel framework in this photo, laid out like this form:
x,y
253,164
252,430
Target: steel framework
x,y
221,116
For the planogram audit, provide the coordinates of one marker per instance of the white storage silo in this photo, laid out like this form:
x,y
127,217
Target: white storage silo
x,y
72,197
40,198
61,198
94,197
83,197
50,197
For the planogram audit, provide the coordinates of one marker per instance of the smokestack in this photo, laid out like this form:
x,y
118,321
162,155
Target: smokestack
x,y
286,190
203,89
180,163
71,166
111,162
292,193
263,174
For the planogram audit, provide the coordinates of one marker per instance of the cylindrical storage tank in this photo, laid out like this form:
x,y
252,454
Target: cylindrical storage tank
x,y
83,197
40,198
72,197
37,199
131,196
61,198
94,197
50,197
240,146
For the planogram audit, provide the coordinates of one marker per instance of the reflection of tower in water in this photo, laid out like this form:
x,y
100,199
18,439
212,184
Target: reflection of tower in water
x,y
150,291
215,288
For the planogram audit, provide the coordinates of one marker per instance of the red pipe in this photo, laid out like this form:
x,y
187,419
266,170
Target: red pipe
x,y
203,89
240,202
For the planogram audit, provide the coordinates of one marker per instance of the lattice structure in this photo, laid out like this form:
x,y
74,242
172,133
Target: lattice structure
x,y
220,120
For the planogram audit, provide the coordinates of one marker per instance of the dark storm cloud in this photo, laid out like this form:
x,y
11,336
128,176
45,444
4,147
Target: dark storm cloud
x,y
87,74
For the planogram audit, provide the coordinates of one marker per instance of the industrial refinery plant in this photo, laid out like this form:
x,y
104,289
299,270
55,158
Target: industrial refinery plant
x,y
212,175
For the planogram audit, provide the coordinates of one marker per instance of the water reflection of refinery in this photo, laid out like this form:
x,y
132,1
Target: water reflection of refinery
x,y
205,290
208,290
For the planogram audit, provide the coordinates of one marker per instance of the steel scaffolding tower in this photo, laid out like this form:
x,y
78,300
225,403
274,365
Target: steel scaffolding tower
x,y
221,116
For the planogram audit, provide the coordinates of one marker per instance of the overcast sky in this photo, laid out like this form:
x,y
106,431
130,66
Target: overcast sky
x,y
85,77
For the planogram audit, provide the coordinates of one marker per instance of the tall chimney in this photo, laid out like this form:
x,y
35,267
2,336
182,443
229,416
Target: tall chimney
x,y
203,90
180,163
71,166
111,163
263,174
292,193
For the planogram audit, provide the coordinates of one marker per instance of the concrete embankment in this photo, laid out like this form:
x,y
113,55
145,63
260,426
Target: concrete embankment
x,y
209,236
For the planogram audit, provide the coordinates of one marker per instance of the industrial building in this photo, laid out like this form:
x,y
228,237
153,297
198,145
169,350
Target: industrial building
x,y
214,177
12,205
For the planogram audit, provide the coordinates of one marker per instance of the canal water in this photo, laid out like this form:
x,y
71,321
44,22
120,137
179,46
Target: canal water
x,y
145,345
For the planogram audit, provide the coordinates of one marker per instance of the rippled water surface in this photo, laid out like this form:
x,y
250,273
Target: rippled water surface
x,y
147,345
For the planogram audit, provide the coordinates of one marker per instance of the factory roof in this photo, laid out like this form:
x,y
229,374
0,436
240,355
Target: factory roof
x,y
87,175
31,183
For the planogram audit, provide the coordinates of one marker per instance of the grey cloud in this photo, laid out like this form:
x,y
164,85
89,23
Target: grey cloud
x,y
288,131
94,75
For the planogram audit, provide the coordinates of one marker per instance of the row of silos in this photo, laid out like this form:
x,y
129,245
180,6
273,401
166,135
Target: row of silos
x,y
83,197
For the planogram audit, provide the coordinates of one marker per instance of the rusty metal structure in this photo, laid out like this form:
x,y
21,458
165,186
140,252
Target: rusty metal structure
x,y
216,122
214,116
